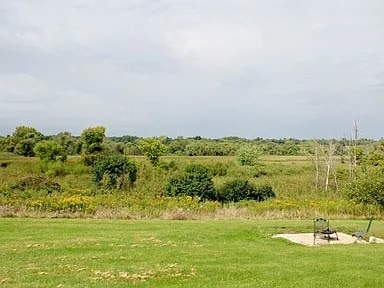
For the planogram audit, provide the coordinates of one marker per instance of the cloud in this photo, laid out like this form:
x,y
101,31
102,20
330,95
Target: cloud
x,y
248,68
218,45
16,88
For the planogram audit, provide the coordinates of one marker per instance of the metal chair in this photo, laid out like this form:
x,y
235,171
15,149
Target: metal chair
x,y
361,234
321,227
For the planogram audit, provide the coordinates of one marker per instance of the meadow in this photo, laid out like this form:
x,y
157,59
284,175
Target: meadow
x,y
58,229
67,190
164,253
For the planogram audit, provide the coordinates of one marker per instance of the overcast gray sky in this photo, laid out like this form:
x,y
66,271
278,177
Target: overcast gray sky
x,y
215,68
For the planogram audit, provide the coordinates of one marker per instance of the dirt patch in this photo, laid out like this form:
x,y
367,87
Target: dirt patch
x,y
307,239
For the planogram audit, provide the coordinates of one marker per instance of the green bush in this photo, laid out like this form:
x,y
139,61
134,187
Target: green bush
x,y
56,169
218,168
113,171
36,182
92,144
195,181
239,189
4,164
47,150
168,166
248,155
368,188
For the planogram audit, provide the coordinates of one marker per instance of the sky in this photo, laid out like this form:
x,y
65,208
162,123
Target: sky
x,y
215,68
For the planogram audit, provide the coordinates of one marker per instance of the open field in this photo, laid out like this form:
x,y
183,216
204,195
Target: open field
x,y
160,253
291,177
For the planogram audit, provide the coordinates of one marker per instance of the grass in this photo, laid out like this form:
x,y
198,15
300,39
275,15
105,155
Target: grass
x,y
291,177
159,253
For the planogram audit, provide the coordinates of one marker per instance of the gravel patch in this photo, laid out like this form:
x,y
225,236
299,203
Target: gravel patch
x,y
307,239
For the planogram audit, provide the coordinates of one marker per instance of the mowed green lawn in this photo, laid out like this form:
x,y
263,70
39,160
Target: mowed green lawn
x,y
159,253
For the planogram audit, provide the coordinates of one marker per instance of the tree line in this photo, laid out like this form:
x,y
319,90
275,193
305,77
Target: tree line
x,y
23,140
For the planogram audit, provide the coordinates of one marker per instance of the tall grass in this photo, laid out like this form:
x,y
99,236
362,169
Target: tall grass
x,y
292,179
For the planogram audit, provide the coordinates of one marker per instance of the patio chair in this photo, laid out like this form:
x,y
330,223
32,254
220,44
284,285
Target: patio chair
x,y
361,234
321,228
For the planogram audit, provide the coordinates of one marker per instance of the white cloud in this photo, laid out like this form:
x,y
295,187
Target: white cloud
x,y
218,45
179,67
21,88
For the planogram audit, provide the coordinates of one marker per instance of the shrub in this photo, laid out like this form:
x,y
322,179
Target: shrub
x,y
195,181
36,182
152,148
112,171
56,169
47,150
239,189
168,166
248,155
368,188
218,168
92,139
4,164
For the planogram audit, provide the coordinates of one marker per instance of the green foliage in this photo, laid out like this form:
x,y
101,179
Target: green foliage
x,y
23,140
113,171
25,132
177,146
374,158
55,169
152,148
218,168
25,147
248,155
47,150
239,189
110,147
6,144
368,188
36,182
195,181
67,142
92,140
210,148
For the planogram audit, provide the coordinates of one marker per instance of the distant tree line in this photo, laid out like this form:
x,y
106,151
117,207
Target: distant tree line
x,y
23,140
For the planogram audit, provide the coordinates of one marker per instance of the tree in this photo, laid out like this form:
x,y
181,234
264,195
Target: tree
x,y
25,147
111,147
177,146
241,189
113,171
368,187
324,159
195,181
152,148
24,139
25,132
248,155
48,150
92,143
67,142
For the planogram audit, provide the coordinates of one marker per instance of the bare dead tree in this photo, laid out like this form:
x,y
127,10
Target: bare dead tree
x,y
330,159
352,151
314,154
355,137
324,160
316,162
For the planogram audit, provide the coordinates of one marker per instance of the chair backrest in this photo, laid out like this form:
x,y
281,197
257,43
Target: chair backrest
x,y
320,224
369,224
